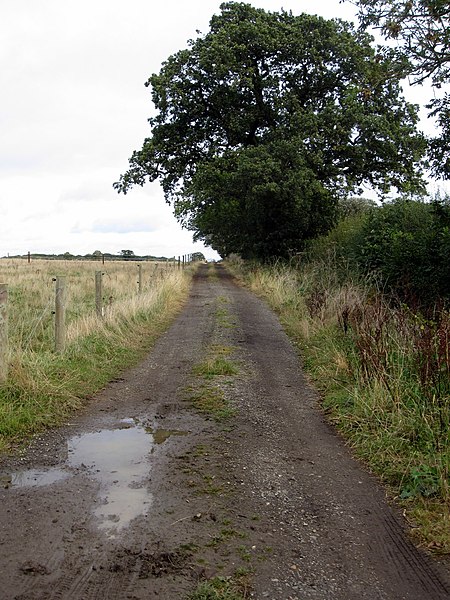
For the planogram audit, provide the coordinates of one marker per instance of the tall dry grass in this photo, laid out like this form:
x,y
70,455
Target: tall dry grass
x,y
32,295
42,386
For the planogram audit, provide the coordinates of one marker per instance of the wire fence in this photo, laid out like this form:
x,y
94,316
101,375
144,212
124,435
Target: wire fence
x,y
40,298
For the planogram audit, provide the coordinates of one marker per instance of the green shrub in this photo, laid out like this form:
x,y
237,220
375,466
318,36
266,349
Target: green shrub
x,y
404,245
407,242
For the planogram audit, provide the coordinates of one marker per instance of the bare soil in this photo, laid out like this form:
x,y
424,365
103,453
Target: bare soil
x,y
141,496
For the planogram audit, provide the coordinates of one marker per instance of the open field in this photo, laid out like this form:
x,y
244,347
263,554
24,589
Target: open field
x,y
32,296
42,385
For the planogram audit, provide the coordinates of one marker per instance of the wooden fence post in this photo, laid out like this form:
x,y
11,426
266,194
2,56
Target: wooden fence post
x,y
3,332
60,314
98,294
139,282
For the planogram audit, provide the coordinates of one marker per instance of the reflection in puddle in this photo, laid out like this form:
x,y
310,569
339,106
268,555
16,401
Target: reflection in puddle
x,y
161,435
36,478
118,460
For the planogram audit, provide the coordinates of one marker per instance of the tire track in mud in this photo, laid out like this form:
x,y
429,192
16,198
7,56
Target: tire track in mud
x,y
273,490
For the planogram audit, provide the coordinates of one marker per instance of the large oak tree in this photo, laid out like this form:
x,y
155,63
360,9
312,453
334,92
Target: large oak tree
x,y
265,121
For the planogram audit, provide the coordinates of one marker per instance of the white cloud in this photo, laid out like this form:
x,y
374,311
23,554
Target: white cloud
x,y
72,109
74,106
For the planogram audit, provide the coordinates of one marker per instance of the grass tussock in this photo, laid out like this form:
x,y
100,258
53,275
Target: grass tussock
x,y
215,366
210,400
237,587
384,374
43,387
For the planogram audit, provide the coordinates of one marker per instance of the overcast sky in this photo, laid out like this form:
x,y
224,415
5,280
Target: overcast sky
x,y
73,107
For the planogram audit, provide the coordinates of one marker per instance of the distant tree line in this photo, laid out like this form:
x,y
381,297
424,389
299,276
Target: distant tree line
x,y
96,255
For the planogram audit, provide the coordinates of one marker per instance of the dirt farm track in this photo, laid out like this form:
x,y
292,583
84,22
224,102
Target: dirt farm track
x,y
143,496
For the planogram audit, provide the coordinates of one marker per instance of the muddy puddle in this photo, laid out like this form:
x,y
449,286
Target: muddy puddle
x,y
118,459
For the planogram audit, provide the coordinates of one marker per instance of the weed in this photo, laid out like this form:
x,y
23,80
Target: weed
x,y
421,481
220,350
214,367
221,588
210,400
189,548
244,553
210,486
200,450
225,534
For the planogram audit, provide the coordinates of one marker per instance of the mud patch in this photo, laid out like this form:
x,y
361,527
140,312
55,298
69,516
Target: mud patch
x,y
150,564
161,435
117,459
33,568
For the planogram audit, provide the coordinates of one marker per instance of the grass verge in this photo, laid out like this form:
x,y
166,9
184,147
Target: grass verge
x,y
384,375
43,388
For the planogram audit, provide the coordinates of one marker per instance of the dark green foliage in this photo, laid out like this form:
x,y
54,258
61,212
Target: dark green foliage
x,y
408,243
262,203
195,256
421,481
421,30
342,244
405,245
265,121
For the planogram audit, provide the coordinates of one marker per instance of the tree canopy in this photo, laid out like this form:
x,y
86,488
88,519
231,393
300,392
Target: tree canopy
x,y
197,256
421,30
265,121
127,254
